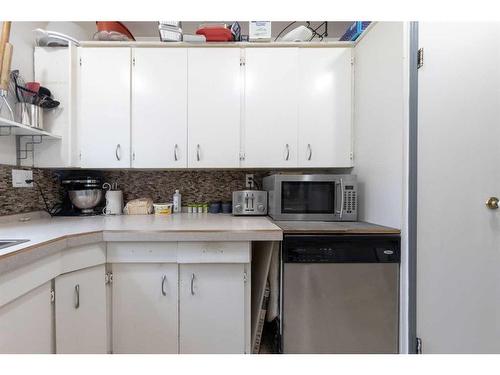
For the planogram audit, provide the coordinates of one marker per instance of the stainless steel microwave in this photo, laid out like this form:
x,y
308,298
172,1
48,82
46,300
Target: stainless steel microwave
x,y
320,197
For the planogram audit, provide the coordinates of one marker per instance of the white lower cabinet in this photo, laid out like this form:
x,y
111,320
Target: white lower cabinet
x,y
81,311
145,308
26,324
212,308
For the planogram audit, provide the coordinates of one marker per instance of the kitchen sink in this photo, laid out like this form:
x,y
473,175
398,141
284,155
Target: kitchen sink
x,y
8,243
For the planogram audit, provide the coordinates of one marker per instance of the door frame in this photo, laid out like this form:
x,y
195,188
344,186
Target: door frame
x,y
412,186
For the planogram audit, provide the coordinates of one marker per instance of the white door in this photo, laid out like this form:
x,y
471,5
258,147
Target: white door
x,y
81,312
325,107
159,108
271,107
104,107
211,308
458,244
214,92
26,324
145,308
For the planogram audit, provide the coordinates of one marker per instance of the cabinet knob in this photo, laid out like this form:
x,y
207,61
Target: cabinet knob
x,y
492,203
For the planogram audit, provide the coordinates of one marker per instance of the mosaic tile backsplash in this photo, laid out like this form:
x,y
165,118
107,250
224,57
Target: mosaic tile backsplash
x,y
195,186
22,200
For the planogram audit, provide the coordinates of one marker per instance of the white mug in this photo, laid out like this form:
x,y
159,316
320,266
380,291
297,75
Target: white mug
x,y
114,203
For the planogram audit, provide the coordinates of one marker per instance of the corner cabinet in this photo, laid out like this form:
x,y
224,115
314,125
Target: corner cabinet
x,y
104,107
26,323
81,317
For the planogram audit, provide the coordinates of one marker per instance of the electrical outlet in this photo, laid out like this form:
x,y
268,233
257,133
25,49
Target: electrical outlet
x,y
249,183
19,177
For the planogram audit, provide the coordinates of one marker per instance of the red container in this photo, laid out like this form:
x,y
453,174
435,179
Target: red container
x,y
114,26
216,33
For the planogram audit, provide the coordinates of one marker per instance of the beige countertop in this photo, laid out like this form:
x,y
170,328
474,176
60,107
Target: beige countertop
x,y
53,232
327,227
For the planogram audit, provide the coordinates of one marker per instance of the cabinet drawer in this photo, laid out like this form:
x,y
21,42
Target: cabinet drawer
x,y
142,252
213,252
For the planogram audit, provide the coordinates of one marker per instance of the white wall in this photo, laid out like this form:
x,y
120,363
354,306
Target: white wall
x,y
378,123
381,138
21,37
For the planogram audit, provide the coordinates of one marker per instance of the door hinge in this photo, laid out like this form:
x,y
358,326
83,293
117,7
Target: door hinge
x,y
420,58
242,156
133,61
418,348
245,278
80,156
351,155
352,60
133,155
108,278
52,295
242,61
80,60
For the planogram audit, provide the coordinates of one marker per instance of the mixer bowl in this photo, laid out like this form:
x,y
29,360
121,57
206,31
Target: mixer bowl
x,y
86,200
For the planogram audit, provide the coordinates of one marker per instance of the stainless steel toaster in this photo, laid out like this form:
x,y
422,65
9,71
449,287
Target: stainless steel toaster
x,y
249,202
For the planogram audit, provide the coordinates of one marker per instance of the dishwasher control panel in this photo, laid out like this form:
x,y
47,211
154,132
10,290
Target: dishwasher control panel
x,y
341,249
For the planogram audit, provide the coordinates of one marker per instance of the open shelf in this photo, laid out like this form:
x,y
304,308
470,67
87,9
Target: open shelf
x,y
8,127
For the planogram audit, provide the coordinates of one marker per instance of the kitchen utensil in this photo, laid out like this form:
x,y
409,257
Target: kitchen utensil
x,y
86,200
33,86
29,114
114,202
4,39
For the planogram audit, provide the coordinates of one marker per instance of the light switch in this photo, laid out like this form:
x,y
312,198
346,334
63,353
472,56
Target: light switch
x,y
19,177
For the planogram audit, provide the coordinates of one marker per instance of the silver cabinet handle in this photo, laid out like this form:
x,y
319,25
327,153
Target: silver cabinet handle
x,y
163,280
77,296
175,152
198,152
309,148
118,152
192,284
287,152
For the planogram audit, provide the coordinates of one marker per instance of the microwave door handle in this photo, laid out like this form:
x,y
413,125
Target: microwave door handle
x,y
342,199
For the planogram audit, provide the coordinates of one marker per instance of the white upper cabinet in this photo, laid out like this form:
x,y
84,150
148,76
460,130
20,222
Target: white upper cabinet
x,y
271,107
104,107
214,92
325,107
159,108
81,317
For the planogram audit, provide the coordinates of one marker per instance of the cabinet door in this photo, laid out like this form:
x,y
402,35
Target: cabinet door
x,y
212,308
159,108
271,99
104,107
26,324
214,92
325,107
81,311
145,308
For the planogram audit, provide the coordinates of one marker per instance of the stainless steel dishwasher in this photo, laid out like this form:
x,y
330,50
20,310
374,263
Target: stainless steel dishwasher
x,y
340,294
